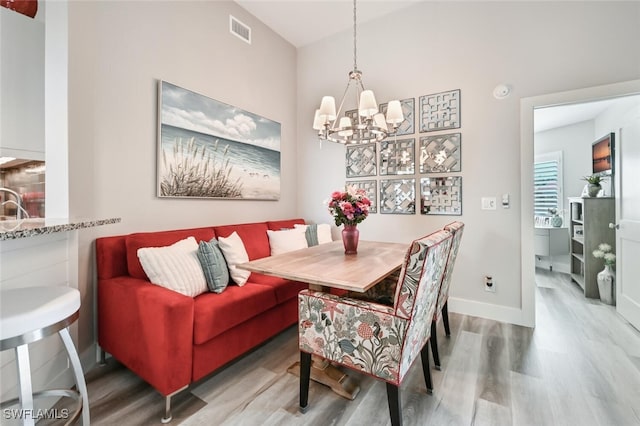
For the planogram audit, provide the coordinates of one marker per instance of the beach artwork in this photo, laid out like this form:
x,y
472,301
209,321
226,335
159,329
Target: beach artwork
x,y
209,149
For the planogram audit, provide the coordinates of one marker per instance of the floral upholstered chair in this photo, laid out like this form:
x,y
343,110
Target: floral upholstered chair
x,y
379,340
442,309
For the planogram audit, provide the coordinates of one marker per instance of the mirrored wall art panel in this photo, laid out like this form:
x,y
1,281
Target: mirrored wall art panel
x,y
441,153
440,111
397,157
372,192
398,196
361,160
407,127
353,115
441,195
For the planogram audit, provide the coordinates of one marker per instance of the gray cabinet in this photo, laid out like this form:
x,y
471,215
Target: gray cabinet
x,y
589,227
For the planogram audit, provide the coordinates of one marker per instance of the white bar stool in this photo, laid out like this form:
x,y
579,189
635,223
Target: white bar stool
x,y
33,313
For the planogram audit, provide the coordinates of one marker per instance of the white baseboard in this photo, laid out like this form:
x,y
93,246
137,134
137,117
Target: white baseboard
x,y
487,310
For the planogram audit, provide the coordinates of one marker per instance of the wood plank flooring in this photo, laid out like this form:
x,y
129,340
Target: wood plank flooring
x,y
579,366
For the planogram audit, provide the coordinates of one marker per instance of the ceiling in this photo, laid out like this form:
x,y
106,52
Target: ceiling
x,y
564,115
302,22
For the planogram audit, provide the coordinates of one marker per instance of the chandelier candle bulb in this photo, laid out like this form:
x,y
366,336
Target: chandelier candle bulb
x,y
394,113
368,104
317,121
328,108
345,123
379,120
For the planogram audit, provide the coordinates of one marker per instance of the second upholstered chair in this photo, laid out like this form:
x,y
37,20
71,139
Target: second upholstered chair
x,y
442,308
378,340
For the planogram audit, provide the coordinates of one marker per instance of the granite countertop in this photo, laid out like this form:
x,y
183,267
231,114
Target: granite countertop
x,y
25,228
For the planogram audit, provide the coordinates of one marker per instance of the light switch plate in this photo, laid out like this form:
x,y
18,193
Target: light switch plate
x,y
488,203
505,201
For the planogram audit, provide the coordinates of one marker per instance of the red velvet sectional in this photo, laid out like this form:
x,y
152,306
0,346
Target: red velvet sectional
x,y
171,340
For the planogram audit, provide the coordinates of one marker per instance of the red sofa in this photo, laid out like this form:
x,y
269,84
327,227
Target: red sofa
x,y
171,340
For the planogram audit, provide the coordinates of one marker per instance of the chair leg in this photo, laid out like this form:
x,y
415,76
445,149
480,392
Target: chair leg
x,y
393,397
424,354
434,345
78,373
305,375
445,319
24,384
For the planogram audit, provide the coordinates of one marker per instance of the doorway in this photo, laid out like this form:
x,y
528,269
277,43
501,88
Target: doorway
x,y
528,106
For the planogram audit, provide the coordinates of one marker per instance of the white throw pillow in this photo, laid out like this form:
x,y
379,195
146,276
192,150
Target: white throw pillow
x,y
234,253
324,233
175,267
286,240
323,230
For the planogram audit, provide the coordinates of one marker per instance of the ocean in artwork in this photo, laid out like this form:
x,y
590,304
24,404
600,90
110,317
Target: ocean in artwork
x,y
253,171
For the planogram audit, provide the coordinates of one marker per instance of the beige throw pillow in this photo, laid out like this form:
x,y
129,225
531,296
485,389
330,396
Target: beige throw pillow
x,y
286,240
234,253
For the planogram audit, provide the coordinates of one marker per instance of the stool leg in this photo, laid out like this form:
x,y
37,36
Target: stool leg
x,y
24,383
77,371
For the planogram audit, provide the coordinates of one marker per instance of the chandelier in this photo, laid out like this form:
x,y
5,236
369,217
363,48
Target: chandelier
x,y
364,125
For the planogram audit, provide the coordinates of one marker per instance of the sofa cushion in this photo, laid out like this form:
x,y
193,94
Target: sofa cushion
x,y
285,289
213,265
139,240
286,240
253,235
234,253
175,267
276,225
217,313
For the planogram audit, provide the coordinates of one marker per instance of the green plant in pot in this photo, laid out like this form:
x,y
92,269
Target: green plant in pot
x,y
594,185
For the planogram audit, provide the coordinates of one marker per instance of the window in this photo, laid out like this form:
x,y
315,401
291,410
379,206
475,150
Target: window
x,y
547,183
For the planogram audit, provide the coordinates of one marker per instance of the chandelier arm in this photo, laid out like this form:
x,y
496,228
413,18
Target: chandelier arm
x,y
338,113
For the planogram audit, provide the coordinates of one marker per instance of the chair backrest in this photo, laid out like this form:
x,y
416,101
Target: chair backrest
x,y
417,291
456,229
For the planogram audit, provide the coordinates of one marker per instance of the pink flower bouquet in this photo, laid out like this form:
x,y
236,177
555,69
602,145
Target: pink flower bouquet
x,y
349,207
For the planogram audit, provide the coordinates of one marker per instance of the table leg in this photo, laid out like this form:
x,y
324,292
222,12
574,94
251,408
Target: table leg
x,y
322,371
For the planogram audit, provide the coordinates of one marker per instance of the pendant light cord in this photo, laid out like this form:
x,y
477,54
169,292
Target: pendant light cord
x,y
355,64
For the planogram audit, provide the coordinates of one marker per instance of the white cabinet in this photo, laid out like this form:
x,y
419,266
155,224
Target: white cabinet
x,y
589,227
21,86
551,241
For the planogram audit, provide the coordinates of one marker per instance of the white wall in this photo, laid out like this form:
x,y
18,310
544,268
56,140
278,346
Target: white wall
x,y
117,53
437,46
575,143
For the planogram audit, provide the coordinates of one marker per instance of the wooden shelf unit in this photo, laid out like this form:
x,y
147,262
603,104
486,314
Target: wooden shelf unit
x,y
592,216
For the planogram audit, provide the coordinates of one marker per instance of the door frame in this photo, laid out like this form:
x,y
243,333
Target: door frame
x,y
527,107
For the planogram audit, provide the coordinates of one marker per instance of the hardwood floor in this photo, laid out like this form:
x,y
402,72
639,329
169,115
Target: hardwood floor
x,y
580,366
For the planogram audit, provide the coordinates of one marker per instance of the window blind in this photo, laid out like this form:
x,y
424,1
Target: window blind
x,y
548,184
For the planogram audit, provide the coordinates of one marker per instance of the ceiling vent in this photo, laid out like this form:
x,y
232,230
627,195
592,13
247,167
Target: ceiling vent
x,y
240,30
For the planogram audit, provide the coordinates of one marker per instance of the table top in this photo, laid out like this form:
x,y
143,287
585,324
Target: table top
x,y
326,265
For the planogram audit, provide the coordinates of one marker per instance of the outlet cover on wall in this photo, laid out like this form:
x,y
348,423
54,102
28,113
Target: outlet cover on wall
x,y
489,285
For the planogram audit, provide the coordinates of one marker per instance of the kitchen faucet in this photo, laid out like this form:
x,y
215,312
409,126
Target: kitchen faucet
x,y
17,203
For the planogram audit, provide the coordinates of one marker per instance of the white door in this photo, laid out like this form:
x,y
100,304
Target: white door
x,y
628,219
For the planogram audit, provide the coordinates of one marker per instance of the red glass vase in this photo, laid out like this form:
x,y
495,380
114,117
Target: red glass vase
x,y
350,237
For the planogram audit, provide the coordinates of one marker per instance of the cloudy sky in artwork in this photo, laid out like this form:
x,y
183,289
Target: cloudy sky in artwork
x,y
192,111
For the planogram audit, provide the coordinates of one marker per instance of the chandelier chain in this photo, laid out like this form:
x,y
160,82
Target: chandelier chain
x,y
355,64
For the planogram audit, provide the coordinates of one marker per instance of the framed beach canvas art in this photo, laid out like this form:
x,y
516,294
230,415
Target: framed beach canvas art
x,y
209,149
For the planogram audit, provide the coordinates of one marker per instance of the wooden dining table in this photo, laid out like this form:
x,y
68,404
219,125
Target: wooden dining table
x,y
326,266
